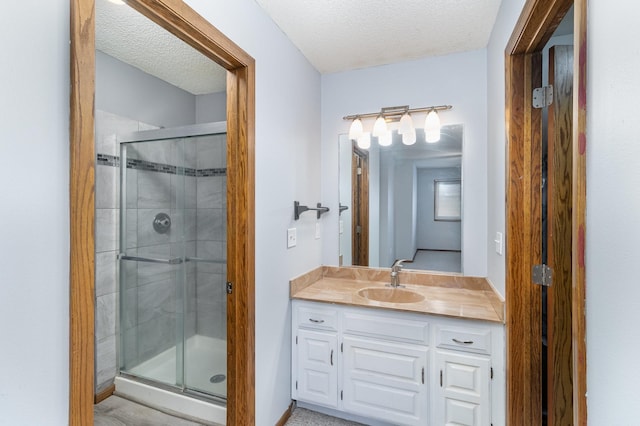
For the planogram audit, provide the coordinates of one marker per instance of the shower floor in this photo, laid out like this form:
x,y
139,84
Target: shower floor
x,y
205,357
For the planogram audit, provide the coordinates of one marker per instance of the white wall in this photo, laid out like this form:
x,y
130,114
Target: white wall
x,y
287,169
505,22
34,248
435,234
129,92
613,212
457,79
211,107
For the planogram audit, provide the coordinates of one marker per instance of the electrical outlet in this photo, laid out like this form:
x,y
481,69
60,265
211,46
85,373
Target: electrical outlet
x,y
291,237
317,230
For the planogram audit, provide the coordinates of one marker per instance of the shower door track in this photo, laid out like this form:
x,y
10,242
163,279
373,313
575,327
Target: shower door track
x,y
202,396
203,129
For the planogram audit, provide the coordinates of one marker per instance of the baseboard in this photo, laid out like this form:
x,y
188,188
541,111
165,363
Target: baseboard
x,y
286,415
99,397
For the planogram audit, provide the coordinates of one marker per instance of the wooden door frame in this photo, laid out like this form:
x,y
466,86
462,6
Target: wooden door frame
x,y
360,209
536,24
182,21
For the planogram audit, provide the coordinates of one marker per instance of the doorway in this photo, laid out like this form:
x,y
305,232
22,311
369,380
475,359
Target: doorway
x,y
186,24
535,27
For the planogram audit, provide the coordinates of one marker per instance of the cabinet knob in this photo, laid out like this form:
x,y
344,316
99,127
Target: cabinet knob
x,y
316,321
331,357
463,342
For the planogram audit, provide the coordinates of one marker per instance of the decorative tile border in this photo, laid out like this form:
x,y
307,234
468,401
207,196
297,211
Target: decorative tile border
x,y
108,160
212,172
133,163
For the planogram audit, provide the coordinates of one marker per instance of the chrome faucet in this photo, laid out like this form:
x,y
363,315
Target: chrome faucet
x,y
395,272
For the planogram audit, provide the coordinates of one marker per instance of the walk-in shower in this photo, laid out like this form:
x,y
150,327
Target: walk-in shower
x,y
172,275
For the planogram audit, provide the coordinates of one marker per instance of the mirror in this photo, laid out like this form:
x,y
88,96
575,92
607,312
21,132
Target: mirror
x,y
402,202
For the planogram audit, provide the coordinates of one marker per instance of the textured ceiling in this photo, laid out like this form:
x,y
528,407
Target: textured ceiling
x,y
339,35
334,35
125,34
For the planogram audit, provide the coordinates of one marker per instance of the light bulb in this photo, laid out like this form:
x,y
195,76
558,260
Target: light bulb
x,y
406,124
364,141
432,127
356,129
409,138
385,138
379,127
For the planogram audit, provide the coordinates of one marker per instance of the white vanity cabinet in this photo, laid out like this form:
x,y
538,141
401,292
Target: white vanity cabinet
x,y
316,351
396,367
385,366
464,368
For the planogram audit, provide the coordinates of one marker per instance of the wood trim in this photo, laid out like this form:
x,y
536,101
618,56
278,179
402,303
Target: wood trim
x,y
181,20
537,22
185,23
286,415
559,254
241,246
82,201
535,26
104,394
523,197
579,212
359,206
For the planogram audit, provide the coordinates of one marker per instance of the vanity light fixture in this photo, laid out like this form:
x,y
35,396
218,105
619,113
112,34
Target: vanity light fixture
x,y
379,127
401,114
432,127
356,129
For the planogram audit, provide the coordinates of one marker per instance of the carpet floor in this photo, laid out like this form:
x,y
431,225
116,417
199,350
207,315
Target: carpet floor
x,y
303,417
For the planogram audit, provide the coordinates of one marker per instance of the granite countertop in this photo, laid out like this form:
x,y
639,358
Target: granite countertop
x,y
447,295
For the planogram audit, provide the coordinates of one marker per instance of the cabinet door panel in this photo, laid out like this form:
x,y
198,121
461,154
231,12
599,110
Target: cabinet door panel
x,y
317,370
464,391
384,380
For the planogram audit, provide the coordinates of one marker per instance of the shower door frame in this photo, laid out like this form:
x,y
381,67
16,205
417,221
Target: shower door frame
x,y
183,134
182,21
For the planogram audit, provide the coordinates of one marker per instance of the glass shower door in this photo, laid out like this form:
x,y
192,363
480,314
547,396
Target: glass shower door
x,y
153,271
206,336
173,261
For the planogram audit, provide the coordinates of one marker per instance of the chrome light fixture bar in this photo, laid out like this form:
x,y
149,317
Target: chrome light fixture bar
x,y
406,128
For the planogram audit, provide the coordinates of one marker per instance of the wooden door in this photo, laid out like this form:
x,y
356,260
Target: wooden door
x,y
537,22
360,203
558,237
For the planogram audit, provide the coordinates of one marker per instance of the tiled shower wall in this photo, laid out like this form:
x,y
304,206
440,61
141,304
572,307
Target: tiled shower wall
x,y
150,310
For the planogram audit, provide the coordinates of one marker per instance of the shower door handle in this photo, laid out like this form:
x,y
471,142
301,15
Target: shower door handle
x,y
174,261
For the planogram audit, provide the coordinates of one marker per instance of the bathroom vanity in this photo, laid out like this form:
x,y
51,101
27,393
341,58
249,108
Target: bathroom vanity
x,y
431,352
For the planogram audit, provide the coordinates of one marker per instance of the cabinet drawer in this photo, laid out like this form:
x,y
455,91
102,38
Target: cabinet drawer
x,y
464,339
317,317
388,327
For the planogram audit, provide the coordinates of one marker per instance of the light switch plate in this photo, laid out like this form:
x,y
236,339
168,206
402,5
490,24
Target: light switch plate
x,y
498,242
317,230
291,237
